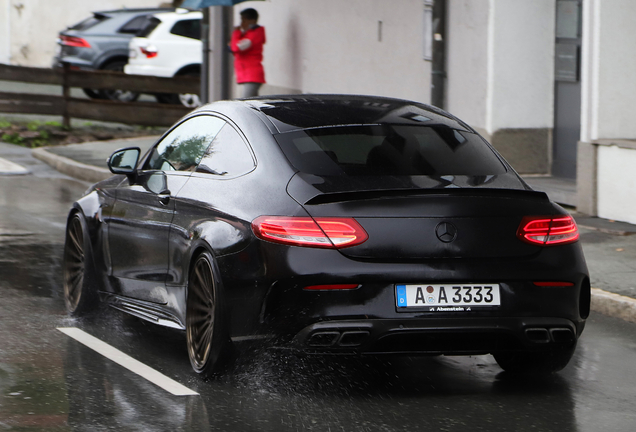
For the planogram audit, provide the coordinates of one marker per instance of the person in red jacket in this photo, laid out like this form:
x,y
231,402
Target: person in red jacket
x,y
247,45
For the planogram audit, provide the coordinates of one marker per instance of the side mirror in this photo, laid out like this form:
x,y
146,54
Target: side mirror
x,y
124,161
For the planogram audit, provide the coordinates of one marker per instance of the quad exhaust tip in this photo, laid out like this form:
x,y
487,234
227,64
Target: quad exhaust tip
x,y
556,335
345,339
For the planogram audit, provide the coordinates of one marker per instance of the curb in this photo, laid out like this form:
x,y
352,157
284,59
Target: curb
x,y
70,167
613,305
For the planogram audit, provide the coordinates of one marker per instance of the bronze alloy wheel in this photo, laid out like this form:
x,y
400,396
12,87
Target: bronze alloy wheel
x,y
77,294
201,320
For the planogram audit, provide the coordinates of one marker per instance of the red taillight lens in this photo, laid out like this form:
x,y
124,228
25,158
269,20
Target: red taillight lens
x,y
335,287
73,41
305,231
548,230
149,51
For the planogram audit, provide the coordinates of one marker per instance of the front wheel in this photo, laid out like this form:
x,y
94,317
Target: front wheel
x,y
535,362
206,332
79,296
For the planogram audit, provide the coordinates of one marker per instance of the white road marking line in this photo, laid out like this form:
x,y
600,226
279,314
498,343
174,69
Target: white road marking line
x,y
8,167
128,362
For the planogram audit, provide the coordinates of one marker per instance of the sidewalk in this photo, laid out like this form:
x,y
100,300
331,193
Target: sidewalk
x,y
609,247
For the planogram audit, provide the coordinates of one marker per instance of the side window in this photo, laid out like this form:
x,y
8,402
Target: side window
x,y
228,155
187,28
183,148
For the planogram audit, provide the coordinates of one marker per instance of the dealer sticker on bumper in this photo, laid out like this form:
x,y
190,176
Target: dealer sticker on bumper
x,y
447,298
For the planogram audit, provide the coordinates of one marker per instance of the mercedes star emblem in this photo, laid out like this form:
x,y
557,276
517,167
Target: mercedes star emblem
x,y
446,232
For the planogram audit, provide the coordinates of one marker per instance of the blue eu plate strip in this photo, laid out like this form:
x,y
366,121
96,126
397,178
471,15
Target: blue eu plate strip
x,y
401,295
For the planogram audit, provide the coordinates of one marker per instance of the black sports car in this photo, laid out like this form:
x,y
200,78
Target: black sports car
x,y
331,224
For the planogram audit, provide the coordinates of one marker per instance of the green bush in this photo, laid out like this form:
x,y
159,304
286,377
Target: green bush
x,y
13,139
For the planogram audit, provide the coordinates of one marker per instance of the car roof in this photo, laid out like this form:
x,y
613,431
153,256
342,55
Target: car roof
x,y
134,11
179,14
293,112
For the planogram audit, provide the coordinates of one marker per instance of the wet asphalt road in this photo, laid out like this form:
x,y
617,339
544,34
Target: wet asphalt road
x,y
49,381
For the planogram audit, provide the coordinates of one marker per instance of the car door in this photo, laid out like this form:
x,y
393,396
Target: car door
x,y
141,218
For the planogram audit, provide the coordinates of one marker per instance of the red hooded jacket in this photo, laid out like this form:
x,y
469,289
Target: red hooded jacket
x,y
248,61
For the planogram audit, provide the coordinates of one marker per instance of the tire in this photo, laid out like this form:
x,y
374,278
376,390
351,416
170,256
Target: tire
x,y
206,331
535,362
167,98
79,296
189,100
118,95
93,94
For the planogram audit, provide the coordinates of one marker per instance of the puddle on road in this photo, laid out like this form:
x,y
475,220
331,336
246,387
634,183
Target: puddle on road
x,y
29,265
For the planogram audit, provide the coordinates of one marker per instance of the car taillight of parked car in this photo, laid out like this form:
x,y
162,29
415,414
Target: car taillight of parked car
x,y
332,233
149,51
548,230
73,41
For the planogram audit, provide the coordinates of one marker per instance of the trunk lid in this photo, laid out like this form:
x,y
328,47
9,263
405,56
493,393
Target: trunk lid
x,y
415,224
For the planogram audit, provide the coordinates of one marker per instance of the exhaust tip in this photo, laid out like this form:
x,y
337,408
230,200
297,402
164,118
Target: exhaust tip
x,y
323,339
353,338
538,335
562,335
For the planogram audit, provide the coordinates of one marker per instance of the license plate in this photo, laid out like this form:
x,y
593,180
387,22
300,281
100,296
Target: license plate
x,y
447,297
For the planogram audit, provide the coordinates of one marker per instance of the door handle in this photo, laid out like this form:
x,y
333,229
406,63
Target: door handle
x,y
164,198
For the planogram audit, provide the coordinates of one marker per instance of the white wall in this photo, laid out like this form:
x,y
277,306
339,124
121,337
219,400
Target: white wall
x,y
33,25
331,46
467,60
5,31
608,68
501,63
616,183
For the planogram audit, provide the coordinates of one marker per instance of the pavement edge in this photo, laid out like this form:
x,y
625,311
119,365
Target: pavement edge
x,y
613,305
70,167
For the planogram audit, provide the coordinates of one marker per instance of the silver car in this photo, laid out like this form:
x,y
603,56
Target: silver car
x,y
101,42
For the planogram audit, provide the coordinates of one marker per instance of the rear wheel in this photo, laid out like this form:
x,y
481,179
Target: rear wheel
x,y
79,297
535,362
206,333
117,95
190,100
93,94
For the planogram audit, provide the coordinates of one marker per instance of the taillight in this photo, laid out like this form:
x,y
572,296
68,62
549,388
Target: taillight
x,y
553,284
548,230
311,232
150,51
73,41
332,287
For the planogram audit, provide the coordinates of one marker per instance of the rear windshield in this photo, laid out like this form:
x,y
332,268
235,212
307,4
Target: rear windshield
x,y
147,28
395,150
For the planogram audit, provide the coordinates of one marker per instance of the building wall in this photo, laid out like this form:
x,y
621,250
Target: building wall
x,y
29,28
609,89
501,75
334,46
617,183
608,129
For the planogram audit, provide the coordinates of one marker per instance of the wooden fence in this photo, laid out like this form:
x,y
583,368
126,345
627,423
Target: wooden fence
x,y
138,113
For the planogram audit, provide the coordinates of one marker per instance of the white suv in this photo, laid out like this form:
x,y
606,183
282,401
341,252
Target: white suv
x,y
169,45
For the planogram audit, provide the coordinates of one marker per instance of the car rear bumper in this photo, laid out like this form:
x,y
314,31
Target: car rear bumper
x,y
433,336
152,70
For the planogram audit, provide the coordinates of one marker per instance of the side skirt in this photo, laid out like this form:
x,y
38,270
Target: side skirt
x,y
144,310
